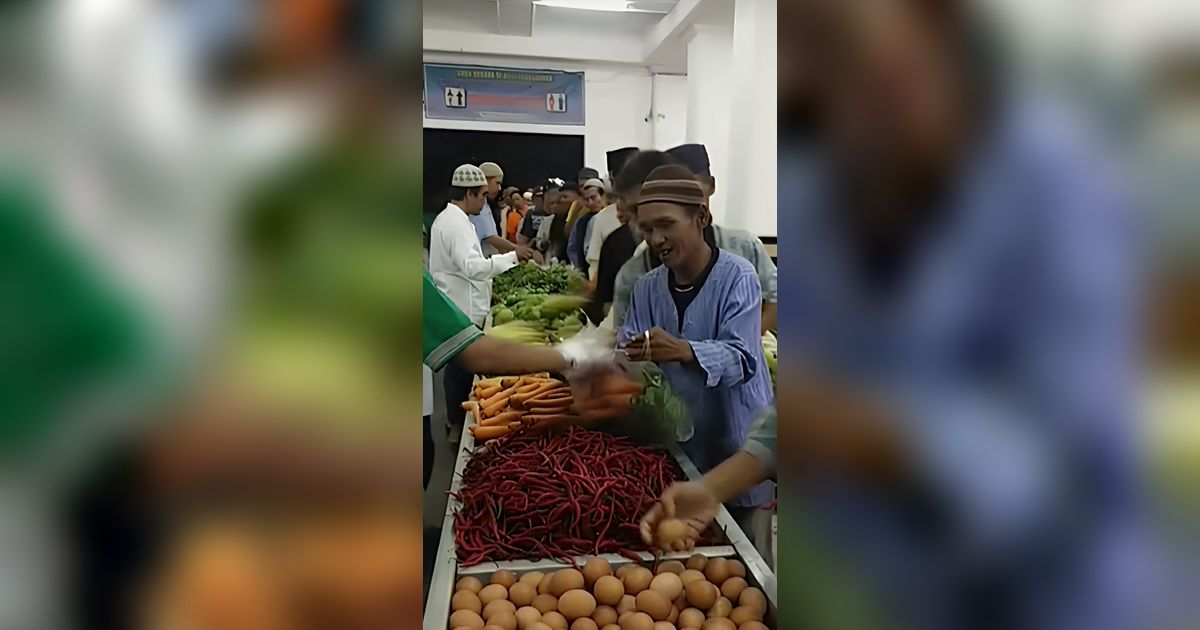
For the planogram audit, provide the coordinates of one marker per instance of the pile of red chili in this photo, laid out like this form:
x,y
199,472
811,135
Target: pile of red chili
x,y
580,492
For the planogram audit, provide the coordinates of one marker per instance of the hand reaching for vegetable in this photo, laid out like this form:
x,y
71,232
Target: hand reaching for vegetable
x,y
662,348
683,512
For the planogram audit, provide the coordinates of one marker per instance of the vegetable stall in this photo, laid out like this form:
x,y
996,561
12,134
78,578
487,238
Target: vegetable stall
x,y
541,526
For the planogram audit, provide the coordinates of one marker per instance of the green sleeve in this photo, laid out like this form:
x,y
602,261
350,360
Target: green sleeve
x,y
447,330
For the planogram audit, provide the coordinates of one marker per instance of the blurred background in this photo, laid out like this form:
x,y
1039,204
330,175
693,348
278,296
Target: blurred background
x,y
211,225
989,313
210,217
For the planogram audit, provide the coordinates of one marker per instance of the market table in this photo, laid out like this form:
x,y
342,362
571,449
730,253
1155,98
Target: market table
x,y
446,569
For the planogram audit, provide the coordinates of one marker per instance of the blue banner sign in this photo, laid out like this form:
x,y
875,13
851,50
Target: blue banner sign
x,y
516,95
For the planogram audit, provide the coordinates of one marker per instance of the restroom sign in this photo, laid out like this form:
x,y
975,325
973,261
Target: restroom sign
x,y
556,102
508,95
456,97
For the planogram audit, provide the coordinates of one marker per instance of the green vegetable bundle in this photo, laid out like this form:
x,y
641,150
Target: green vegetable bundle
x,y
658,415
557,317
531,279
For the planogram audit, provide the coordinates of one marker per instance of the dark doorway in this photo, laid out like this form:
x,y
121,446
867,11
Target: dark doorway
x,y
527,158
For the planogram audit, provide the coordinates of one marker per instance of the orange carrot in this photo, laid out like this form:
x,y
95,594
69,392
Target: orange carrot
x,y
544,387
502,418
472,408
551,394
548,410
495,404
484,434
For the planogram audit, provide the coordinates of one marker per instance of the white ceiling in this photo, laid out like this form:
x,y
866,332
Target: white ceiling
x,y
651,33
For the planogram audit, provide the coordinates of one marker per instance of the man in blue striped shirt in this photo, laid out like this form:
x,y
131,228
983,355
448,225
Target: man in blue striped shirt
x,y
698,316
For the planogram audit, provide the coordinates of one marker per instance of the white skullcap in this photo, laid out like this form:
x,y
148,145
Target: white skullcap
x,y
492,169
468,176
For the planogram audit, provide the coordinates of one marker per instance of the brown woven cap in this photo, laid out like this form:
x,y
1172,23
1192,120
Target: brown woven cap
x,y
682,191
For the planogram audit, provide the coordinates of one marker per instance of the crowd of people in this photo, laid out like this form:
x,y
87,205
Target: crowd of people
x,y
667,286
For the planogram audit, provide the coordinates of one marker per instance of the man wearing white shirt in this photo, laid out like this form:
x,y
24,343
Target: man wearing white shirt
x,y
461,271
456,260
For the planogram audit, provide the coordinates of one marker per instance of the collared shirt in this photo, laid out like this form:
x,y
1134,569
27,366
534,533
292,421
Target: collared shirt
x,y
605,223
485,227
577,240
728,385
458,265
738,242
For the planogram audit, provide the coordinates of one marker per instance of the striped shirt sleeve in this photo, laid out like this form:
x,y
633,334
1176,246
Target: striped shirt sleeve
x,y
762,439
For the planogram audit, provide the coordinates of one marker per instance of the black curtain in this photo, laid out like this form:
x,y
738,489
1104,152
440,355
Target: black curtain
x,y
527,158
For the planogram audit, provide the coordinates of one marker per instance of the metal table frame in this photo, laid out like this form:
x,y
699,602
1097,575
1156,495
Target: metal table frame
x,y
446,570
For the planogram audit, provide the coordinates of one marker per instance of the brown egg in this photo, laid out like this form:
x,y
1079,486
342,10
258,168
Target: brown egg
x,y
611,626
625,569
691,575
718,623
469,583
545,603
465,619
672,534
754,598
533,577
742,614
671,566
544,585
669,584
717,570
702,594
736,568
637,580
691,619
674,616
654,604
733,587
721,608
664,625
504,578
492,627
753,625
466,600
604,615
584,623
681,602
637,621
491,593
566,580
627,604
697,562
594,570
609,590
527,615
555,620
522,593
576,603
537,625
498,606
503,619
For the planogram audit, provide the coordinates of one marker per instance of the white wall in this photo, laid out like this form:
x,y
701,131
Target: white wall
x,y
617,104
670,110
753,135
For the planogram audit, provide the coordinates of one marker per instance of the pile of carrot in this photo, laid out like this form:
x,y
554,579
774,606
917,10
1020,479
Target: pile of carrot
x,y
506,405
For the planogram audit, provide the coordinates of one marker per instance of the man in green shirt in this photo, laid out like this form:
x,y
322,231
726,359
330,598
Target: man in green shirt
x,y
449,335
